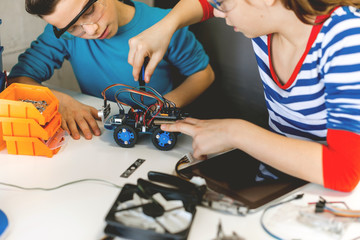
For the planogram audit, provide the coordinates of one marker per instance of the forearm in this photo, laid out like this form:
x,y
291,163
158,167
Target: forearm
x,y
302,159
185,13
192,87
24,80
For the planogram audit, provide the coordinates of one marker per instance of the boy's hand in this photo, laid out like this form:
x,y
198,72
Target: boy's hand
x,y
77,116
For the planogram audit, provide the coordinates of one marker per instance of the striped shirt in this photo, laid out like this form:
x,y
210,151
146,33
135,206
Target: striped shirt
x,y
324,90
321,100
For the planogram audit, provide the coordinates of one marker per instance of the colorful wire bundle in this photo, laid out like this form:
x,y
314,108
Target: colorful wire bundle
x,y
323,206
149,92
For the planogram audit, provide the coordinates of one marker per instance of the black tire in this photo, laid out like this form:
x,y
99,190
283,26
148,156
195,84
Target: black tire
x,y
164,140
125,136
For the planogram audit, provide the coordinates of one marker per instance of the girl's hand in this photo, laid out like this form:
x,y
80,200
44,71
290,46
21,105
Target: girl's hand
x,y
152,43
209,136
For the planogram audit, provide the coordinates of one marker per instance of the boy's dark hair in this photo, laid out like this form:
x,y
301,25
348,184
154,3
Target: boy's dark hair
x,y
40,7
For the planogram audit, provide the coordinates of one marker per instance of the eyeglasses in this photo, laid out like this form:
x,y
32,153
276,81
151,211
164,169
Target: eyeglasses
x,y
223,5
89,15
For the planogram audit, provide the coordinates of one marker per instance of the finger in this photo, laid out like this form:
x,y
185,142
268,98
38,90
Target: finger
x,y
94,113
199,157
192,121
136,70
197,152
64,125
150,68
93,125
179,127
132,50
73,130
138,61
84,127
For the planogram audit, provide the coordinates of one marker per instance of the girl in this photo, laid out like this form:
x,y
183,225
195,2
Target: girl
x,y
308,55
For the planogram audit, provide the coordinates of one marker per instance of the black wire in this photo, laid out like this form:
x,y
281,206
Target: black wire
x,y
183,160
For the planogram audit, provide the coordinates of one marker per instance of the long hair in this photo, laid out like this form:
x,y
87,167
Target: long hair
x,y
307,8
40,7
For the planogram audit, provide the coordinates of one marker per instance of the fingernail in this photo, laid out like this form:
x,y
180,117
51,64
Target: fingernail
x,y
76,137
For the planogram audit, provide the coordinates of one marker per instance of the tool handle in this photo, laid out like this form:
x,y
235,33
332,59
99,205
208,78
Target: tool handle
x,y
142,72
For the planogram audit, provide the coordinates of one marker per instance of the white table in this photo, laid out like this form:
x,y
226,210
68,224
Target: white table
x,y
78,211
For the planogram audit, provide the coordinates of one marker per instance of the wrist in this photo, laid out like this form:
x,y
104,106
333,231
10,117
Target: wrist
x,y
185,13
236,132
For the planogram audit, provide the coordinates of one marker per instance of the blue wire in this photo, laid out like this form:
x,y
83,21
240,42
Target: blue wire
x,y
272,206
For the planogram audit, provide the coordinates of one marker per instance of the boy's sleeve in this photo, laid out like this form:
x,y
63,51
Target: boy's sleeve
x,y
45,54
207,9
186,53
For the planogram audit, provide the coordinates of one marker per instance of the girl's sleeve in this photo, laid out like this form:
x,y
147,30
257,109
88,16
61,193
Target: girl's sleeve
x,y
207,9
341,67
341,160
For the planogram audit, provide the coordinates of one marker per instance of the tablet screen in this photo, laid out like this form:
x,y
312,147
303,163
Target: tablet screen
x,y
234,174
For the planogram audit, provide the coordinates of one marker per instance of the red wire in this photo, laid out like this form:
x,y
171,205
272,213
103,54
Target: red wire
x,y
154,115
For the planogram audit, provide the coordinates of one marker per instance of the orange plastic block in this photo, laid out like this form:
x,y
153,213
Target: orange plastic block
x,y
19,127
2,142
12,107
34,146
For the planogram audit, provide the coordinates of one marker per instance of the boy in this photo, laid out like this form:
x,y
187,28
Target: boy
x,y
93,35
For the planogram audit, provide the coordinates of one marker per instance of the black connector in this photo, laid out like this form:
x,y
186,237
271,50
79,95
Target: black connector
x,y
320,205
299,196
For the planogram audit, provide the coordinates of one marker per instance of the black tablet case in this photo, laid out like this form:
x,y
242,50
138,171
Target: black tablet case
x,y
233,174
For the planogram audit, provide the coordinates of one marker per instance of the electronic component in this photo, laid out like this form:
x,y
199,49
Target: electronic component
x,y
323,206
141,118
324,222
132,168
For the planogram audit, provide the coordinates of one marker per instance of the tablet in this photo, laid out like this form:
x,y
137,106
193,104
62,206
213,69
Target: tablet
x,y
234,174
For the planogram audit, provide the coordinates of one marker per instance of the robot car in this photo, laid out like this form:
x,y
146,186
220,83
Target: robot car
x,y
140,118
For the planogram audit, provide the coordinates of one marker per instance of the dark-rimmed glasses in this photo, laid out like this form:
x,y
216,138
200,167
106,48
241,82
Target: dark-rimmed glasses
x,y
91,13
223,5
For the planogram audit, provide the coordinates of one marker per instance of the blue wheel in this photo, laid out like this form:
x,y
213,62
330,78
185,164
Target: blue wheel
x,y
125,136
163,140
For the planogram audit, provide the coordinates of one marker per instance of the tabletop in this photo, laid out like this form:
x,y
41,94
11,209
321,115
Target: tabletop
x,y
78,211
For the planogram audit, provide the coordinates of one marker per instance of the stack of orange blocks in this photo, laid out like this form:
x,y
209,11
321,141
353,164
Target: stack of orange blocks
x,y
24,128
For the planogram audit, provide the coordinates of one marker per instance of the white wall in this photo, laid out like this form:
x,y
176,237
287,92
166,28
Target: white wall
x,y
19,29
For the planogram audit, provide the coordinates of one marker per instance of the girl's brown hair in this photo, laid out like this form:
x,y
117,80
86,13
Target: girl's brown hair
x,y
307,8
